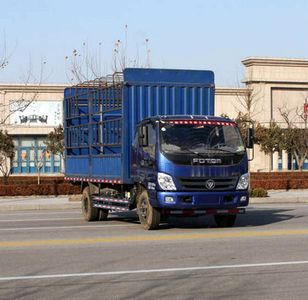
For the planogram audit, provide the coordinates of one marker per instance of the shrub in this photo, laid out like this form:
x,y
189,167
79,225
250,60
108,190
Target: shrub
x,y
50,188
67,188
271,184
258,192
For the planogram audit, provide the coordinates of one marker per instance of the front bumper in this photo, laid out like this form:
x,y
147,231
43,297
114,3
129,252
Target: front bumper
x,y
201,200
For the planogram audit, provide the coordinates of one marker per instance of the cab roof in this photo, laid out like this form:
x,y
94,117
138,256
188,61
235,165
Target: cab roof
x,y
189,118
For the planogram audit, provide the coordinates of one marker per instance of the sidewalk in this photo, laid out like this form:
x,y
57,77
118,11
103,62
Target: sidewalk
x,y
37,203
63,202
281,196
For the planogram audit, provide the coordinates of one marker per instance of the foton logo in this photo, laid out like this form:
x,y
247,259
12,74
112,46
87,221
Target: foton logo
x,y
210,184
203,161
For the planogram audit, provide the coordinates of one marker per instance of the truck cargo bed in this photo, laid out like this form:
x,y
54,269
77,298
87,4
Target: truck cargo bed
x,y
101,116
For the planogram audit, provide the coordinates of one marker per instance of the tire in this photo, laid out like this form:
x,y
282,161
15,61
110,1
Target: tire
x,y
102,214
225,220
89,212
149,216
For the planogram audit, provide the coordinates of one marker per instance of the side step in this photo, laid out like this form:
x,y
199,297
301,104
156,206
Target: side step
x,y
112,204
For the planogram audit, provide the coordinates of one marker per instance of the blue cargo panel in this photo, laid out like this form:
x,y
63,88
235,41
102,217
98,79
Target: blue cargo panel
x,y
152,92
111,166
100,119
79,164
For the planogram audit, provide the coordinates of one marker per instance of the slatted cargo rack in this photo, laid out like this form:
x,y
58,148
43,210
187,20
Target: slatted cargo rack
x,y
93,123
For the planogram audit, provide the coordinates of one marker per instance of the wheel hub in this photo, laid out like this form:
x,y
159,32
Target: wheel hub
x,y
143,210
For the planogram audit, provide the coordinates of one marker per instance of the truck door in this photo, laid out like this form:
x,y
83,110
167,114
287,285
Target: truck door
x,y
146,157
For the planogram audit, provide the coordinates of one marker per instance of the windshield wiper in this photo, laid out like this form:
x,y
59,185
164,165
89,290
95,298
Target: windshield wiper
x,y
202,155
227,151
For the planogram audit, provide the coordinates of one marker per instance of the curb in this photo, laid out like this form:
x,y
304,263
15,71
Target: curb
x,y
35,196
269,200
20,207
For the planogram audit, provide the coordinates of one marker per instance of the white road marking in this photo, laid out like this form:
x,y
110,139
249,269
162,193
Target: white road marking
x,y
148,271
102,226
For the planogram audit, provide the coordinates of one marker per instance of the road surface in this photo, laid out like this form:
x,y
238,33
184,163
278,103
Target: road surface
x,y
57,255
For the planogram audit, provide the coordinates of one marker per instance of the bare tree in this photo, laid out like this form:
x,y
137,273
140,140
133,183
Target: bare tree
x,y
10,107
295,138
7,153
3,59
86,64
247,103
246,106
83,64
301,113
4,55
7,109
39,158
20,104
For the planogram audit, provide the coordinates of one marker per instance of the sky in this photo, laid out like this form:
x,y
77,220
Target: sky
x,y
39,37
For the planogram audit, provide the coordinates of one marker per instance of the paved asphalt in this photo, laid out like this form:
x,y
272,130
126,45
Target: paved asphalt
x,y
49,254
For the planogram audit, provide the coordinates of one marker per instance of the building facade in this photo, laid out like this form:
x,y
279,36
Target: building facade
x,y
30,112
276,84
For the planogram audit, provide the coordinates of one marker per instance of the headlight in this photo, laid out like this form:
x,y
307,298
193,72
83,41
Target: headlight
x,y
243,182
166,182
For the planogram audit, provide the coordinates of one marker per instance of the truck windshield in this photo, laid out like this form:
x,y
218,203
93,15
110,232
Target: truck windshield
x,y
201,139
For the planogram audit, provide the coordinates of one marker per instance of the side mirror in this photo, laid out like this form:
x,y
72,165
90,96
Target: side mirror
x,y
250,138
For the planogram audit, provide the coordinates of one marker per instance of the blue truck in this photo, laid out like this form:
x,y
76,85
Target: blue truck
x,y
146,139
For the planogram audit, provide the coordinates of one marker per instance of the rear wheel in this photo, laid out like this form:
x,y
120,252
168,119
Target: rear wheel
x,y
89,212
102,214
225,220
148,215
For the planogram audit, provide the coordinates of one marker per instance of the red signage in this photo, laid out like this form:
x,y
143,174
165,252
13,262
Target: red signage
x,y
306,108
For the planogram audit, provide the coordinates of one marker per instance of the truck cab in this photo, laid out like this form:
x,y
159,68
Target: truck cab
x,y
192,165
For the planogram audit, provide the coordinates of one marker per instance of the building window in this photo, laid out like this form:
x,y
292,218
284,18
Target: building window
x,y
31,156
280,162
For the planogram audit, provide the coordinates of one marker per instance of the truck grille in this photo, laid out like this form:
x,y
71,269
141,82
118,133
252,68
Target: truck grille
x,y
199,184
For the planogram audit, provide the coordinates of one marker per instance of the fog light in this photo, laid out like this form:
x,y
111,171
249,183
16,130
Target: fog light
x,y
169,199
243,199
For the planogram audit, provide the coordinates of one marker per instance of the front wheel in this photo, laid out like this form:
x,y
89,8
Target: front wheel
x,y
148,215
225,220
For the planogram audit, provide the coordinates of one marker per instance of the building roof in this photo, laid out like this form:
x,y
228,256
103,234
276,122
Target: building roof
x,y
32,87
274,61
